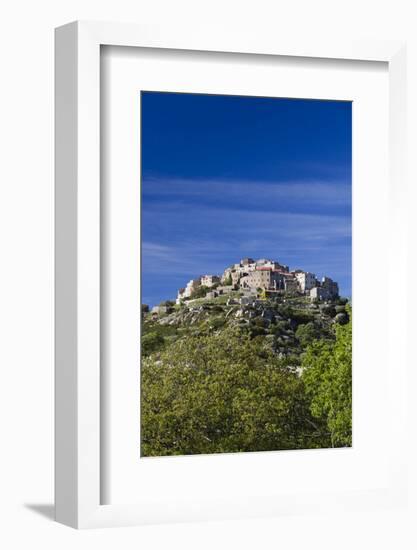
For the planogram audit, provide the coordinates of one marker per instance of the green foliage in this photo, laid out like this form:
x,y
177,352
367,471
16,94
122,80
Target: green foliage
x,y
256,330
199,292
213,383
279,326
307,333
224,392
228,281
328,380
301,316
151,342
217,322
167,303
285,310
145,308
224,298
162,330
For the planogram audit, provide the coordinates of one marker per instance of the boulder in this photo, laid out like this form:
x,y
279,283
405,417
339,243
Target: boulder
x,y
328,309
341,318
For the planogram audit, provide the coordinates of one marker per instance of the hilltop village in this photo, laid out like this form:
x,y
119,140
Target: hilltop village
x,y
260,278
287,308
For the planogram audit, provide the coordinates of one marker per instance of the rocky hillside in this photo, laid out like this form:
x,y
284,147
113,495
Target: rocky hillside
x,y
240,374
285,325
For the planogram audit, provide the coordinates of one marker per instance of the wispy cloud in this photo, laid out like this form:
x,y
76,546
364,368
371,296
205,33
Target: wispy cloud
x,y
221,225
249,195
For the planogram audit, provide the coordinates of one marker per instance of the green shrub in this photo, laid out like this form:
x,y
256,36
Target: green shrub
x,y
151,342
301,317
279,326
327,375
223,393
307,333
167,303
217,322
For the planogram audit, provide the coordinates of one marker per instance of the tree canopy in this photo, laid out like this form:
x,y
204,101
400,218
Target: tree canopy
x,y
224,393
214,387
328,380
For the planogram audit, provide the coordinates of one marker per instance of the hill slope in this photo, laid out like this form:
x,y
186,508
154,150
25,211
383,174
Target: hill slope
x,y
221,376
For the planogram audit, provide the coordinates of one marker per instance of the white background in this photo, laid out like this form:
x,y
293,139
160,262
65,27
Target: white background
x,y
245,476
26,274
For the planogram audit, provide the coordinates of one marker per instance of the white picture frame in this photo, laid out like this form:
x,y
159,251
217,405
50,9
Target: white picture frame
x,y
78,321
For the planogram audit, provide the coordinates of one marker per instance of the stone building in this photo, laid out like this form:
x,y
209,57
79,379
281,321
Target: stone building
x,y
306,280
247,261
263,278
159,310
186,292
331,286
262,262
291,284
226,274
235,277
189,289
180,295
209,280
271,264
319,293
327,289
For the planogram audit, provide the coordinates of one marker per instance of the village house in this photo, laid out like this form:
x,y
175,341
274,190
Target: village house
x,y
247,261
236,275
263,277
327,289
248,265
209,280
319,293
330,285
271,264
191,287
159,310
226,274
224,289
186,292
291,285
180,295
305,279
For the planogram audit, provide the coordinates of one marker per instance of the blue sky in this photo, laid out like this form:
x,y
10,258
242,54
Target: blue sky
x,y
226,177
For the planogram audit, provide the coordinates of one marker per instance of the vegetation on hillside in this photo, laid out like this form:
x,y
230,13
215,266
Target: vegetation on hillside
x,y
219,377
327,375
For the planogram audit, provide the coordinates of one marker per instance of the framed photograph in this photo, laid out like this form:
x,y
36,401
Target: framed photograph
x,y
228,213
